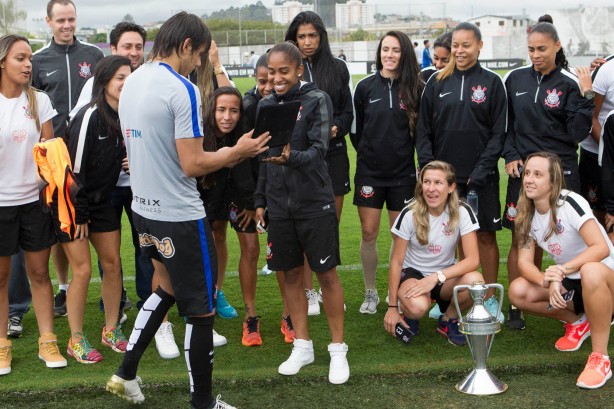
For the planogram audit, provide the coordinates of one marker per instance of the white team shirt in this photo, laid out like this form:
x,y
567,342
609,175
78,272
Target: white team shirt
x,y
566,242
18,134
604,85
156,107
440,251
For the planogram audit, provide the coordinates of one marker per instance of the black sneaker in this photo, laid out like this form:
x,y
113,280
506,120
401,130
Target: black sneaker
x,y
59,304
515,318
15,327
126,301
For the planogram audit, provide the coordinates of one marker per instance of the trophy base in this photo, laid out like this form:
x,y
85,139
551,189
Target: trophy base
x,y
481,382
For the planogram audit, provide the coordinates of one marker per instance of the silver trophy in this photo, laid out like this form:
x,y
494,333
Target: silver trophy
x,y
479,328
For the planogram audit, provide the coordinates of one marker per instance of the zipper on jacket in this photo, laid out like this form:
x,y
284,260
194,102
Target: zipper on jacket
x,y
539,82
390,91
69,84
462,86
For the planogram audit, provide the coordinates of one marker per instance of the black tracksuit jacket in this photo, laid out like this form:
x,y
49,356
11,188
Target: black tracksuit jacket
x,y
380,135
546,113
301,188
462,121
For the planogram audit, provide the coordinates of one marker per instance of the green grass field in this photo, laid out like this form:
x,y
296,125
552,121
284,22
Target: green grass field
x,y
384,372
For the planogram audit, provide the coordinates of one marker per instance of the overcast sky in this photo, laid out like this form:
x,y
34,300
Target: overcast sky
x,y
108,12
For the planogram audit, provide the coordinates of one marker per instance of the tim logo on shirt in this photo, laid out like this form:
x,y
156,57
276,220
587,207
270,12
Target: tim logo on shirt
x,y
133,133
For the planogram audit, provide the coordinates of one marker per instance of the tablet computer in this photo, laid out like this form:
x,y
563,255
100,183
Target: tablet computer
x,y
278,120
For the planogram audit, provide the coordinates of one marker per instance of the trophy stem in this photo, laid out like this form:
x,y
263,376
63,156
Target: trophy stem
x,y
481,382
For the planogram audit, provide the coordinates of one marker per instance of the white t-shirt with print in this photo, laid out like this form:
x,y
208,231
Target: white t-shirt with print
x,y
566,242
18,135
440,251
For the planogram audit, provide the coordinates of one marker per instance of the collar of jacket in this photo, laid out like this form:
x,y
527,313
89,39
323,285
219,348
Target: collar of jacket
x,y
291,94
551,74
470,71
64,48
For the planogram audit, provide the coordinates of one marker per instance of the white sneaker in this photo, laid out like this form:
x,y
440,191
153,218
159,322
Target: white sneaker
x,y
219,404
339,371
369,305
302,354
129,390
322,302
165,341
313,307
265,270
219,340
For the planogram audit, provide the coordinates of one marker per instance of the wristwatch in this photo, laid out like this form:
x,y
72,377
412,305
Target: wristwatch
x,y
441,277
219,70
589,94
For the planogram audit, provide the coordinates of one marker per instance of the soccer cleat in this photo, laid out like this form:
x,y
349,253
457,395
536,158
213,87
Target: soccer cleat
x,y
83,352
435,312
339,370
449,329
251,332
49,352
574,337
515,318
5,356
129,390
313,307
115,339
219,340
492,305
596,372
302,354
165,341
15,327
224,309
369,305
287,329
59,304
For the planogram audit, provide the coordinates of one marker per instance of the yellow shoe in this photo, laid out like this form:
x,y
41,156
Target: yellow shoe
x,y
5,356
49,352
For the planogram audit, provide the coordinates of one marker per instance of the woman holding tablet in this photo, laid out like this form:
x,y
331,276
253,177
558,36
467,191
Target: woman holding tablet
x,y
422,265
295,187
581,280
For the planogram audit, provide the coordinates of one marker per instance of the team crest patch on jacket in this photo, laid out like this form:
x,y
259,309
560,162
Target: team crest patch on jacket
x,y
553,100
367,192
85,69
479,94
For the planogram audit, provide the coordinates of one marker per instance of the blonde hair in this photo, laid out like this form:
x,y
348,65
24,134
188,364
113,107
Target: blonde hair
x,y
526,206
421,209
6,43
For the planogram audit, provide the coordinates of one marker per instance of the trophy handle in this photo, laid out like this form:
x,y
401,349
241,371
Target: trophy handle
x,y
455,299
500,288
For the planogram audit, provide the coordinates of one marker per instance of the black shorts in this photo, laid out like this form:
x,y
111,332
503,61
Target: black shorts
x,y
233,209
26,226
590,179
187,251
489,205
572,182
411,272
395,197
317,239
578,301
339,172
103,219
214,202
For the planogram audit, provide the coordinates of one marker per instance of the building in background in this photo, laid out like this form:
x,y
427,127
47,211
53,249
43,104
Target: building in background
x,y
504,37
354,13
286,12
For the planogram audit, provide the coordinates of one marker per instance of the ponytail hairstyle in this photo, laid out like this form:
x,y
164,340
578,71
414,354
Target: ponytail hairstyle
x,y
546,27
328,72
204,81
410,83
6,43
449,69
214,138
421,209
526,206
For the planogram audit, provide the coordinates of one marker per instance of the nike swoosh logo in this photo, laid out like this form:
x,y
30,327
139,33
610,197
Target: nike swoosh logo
x,y
101,138
443,95
580,333
324,260
51,73
520,93
495,220
407,201
374,100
